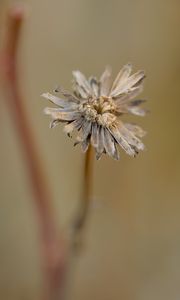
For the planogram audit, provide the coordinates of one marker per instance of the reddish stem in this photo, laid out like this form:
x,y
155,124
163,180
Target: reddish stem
x,y
52,247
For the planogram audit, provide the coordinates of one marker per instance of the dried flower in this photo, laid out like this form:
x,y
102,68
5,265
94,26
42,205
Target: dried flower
x,y
95,107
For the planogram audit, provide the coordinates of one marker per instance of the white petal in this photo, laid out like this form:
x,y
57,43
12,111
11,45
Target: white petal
x,y
85,131
129,84
132,107
98,155
76,124
94,135
136,130
54,123
67,94
127,97
82,84
138,111
61,115
130,137
116,153
121,141
105,82
85,144
121,77
94,86
108,142
58,101
100,145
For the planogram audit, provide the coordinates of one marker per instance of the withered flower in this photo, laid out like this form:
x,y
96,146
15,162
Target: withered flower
x,y
95,107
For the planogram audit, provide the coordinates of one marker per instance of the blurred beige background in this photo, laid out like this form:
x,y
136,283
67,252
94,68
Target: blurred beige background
x,y
133,239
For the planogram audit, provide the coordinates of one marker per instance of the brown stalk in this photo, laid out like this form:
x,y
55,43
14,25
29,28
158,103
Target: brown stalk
x,y
52,247
82,213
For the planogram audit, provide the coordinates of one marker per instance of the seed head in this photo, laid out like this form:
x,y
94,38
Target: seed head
x,y
95,107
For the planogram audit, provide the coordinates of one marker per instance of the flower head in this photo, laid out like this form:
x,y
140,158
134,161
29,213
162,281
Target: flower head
x,y
95,107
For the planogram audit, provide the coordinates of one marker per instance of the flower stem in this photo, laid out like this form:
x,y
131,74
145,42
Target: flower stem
x,y
81,217
52,247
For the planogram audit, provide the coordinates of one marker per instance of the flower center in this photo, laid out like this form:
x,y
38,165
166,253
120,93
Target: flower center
x,y
100,110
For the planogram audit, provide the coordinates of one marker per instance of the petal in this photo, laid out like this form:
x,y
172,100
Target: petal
x,y
116,153
76,124
121,77
137,102
62,109
105,82
135,79
130,137
98,155
129,84
85,144
138,111
94,135
126,97
109,143
132,107
58,101
67,94
121,141
100,145
62,115
85,131
136,130
54,123
94,86
82,84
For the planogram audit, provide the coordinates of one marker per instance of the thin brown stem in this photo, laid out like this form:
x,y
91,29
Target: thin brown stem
x,y
52,247
81,217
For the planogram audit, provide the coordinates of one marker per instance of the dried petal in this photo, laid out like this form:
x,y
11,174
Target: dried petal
x,y
67,94
54,123
76,124
128,84
136,130
121,141
108,142
132,107
94,135
138,111
116,153
58,101
105,82
135,79
82,84
121,78
85,144
61,115
94,86
130,137
85,131
100,145
137,102
127,97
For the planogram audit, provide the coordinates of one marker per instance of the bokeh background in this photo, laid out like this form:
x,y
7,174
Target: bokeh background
x,y
132,246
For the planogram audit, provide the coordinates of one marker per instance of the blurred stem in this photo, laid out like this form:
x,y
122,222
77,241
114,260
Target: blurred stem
x,y
82,214
52,248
